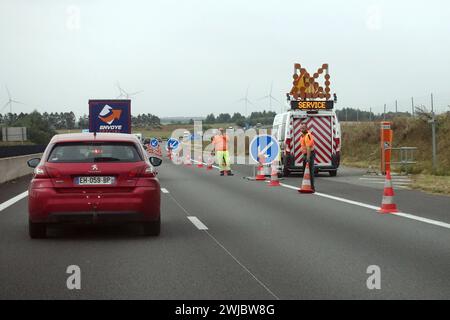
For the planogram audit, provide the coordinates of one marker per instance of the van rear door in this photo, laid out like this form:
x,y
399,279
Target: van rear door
x,y
321,127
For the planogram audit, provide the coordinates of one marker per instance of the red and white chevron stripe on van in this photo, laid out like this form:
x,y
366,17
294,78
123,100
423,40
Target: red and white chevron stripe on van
x,y
322,129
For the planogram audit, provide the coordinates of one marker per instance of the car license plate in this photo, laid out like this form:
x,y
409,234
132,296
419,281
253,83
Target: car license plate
x,y
95,180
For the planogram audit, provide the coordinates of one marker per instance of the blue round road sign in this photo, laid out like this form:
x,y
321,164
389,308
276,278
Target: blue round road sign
x,y
154,142
265,144
173,144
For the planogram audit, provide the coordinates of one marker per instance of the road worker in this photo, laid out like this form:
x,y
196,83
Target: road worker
x,y
220,142
307,148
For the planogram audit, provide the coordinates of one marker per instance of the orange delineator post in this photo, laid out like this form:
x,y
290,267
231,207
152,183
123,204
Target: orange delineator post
x,y
386,136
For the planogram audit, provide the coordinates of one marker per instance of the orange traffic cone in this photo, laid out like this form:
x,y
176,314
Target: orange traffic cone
x,y
260,176
209,164
187,160
200,162
274,182
306,183
387,204
177,159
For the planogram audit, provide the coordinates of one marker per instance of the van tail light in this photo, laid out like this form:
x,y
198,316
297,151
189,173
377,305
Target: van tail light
x,y
338,144
287,146
40,172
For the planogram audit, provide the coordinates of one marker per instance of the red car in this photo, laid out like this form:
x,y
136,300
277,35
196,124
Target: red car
x,y
93,178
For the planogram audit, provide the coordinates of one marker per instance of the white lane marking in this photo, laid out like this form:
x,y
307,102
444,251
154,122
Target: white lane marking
x,y
229,253
195,161
382,180
356,203
399,183
196,222
368,206
11,201
164,190
430,221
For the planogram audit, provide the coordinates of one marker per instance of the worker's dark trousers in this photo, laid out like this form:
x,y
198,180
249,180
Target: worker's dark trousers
x,y
311,167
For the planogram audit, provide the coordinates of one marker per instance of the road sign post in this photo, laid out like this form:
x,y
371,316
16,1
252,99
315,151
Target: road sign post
x,y
266,145
172,144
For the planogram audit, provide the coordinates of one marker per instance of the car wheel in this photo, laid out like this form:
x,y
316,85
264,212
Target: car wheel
x,y
37,230
333,173
152,228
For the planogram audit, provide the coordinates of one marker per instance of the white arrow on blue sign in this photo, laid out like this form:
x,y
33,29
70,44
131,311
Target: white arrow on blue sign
x,y
173,144
264,144
154,142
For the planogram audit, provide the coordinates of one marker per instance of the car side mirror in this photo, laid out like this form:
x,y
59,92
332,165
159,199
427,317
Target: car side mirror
x,y
156,162
34,162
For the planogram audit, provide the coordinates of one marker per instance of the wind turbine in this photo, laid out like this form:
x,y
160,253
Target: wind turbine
x,y
246,100
270,97
10,101
125,94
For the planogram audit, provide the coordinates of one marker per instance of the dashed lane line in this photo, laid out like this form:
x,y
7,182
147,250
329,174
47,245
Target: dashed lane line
x,y
196,222
164,190
189,216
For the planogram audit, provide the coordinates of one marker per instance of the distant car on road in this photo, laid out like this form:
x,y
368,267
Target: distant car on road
x,y
93,178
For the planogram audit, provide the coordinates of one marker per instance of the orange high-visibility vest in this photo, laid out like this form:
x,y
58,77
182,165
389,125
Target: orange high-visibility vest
x,y
307,140
220,143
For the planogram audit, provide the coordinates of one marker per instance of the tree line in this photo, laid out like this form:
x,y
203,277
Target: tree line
x,y
41,127
351,114
264,118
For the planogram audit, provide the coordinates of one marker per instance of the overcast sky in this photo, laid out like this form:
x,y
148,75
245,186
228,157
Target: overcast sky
x,y
194,57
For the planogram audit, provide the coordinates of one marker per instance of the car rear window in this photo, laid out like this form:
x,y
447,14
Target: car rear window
x,y
94,152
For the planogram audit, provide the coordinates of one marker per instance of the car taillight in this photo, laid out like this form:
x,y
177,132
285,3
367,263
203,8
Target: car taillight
x,y
147,172
143,172
40,172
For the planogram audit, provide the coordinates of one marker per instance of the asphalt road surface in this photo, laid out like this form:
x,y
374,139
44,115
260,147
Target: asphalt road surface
x,y
261,242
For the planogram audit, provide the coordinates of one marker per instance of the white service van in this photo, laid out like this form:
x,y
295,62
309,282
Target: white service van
x,y
326,130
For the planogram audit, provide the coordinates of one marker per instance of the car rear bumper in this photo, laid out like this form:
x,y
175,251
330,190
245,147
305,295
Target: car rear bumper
x,y
50,206
95,217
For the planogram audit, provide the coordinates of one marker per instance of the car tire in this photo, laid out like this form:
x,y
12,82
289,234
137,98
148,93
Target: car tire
x,y
333,173
37,230
152,228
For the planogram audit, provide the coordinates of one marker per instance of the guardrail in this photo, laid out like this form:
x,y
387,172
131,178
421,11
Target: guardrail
x,y
15,167
405,157
21,150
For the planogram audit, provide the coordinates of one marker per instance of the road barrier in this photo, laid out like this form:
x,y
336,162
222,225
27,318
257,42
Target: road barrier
x,y
15,167
21,150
